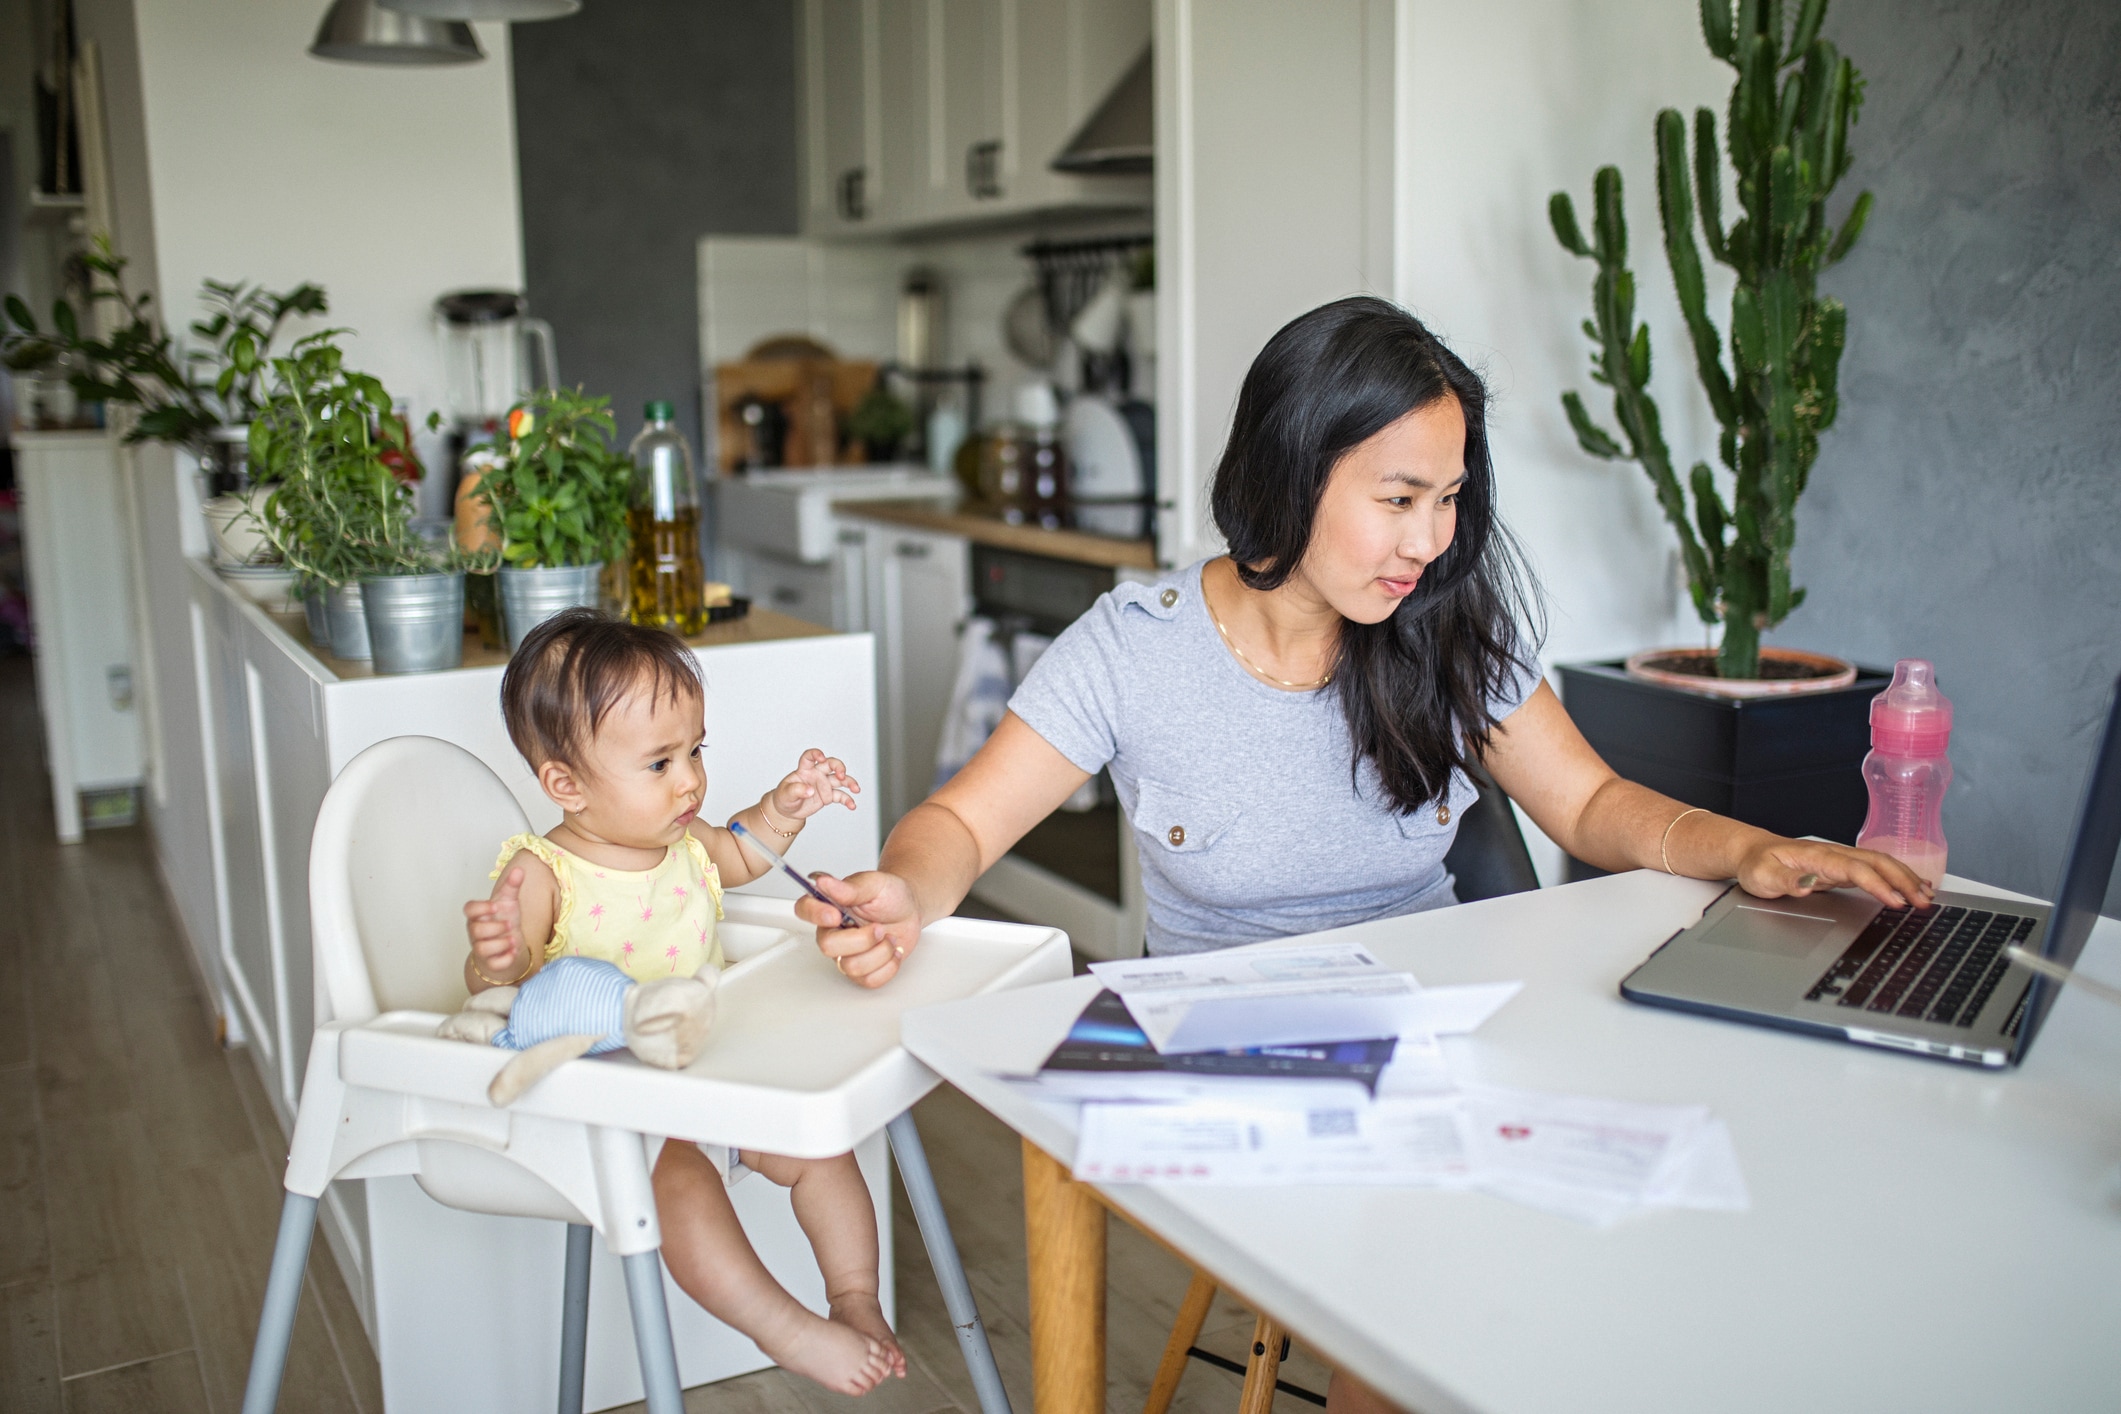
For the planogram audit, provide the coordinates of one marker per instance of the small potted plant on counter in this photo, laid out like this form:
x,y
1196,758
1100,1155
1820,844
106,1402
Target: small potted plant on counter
x,y
199,401
337,514
558,494
1773,736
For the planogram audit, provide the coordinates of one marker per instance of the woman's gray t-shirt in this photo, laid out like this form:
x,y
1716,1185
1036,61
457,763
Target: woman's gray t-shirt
x,y
1249,822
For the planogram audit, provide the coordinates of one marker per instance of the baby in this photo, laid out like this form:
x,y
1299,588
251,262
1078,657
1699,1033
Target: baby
x,y
610,717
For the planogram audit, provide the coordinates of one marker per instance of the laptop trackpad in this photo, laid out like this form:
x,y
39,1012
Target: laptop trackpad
x,y
1765,930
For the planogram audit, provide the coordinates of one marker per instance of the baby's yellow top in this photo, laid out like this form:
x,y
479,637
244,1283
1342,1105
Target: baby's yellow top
x,y
649,922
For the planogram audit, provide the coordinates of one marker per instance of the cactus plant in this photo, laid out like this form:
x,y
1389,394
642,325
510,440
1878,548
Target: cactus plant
x,y
1791,108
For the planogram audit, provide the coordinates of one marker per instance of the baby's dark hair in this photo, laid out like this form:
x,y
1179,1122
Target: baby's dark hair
x,y
572,669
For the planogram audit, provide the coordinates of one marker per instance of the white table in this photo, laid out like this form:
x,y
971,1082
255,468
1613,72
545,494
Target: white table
x,y
1923,1236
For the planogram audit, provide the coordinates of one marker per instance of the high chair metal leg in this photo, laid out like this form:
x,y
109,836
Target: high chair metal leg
x,y
574,1317
283,1294
949,1271
651,1333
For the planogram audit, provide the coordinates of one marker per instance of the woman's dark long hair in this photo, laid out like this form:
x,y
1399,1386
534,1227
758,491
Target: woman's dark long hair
x,y
1415,687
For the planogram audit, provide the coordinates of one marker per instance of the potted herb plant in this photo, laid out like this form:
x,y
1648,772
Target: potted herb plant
x,y
324,443
558,495
1727,728
199,400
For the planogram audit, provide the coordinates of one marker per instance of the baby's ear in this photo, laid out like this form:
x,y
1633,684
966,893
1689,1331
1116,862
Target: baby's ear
x,y
563,784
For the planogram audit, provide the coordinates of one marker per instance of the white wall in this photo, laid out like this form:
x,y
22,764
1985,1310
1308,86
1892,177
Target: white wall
x,y
386,185
1500,106
1273,196
236,155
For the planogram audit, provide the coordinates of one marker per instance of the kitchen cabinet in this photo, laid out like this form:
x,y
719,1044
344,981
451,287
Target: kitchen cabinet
x,y
920,593
940,112
842,106
74,532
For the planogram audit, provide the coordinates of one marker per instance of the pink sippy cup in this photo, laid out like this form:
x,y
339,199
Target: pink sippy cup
x,y
1907,770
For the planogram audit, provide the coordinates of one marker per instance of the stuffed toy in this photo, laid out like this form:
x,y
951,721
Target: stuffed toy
x,y
579,1006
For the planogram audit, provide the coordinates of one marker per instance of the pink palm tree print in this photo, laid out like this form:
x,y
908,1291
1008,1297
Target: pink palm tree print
x,y
682,892
596,914
626,949
671,952
647,909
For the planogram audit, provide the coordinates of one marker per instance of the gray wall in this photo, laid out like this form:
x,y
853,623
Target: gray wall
x,y
642,125
1967,507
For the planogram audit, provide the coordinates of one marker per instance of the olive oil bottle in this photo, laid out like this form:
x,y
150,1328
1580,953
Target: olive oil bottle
x,y
666,579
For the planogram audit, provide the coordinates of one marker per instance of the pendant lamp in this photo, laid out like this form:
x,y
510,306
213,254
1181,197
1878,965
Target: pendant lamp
x,y
362,32
516,11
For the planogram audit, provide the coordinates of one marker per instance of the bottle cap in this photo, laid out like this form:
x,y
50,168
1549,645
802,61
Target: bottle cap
x,y
660,411
1911,718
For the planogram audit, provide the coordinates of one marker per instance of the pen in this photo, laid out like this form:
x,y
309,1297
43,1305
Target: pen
x,y
2033,962
736,827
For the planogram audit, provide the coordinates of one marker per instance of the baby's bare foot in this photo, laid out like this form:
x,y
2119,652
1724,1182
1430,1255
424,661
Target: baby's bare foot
x,y
866,1315
835,1354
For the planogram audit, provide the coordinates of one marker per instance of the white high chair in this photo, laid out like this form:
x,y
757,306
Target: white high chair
x,y
407,833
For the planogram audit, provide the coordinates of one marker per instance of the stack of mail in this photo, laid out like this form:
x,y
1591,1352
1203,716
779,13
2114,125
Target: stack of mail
x,y
1316,1065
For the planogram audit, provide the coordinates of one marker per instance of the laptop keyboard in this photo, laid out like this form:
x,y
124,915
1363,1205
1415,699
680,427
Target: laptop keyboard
x,y
1941,965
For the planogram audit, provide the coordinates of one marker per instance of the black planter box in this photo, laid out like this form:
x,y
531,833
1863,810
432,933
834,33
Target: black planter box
x,y
1789,764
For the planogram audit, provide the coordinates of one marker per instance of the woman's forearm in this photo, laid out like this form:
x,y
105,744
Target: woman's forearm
x,y
1628,826
937,856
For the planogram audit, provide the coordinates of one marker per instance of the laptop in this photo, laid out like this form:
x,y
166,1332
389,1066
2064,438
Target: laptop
x,y
1934,982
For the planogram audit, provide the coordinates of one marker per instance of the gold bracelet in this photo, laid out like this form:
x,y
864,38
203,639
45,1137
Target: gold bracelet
x,y
766,816
1694,810
488,980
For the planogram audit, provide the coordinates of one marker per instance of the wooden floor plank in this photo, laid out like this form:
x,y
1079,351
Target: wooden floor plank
x,y
102,1198
169,1385
25,1245
119,1315
29,1350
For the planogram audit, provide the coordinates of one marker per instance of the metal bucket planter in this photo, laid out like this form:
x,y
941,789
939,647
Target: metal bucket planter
x,y
529,597
415,621
346,623
318,615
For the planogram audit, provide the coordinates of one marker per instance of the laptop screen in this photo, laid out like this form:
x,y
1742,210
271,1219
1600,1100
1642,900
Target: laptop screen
x,y
2085,872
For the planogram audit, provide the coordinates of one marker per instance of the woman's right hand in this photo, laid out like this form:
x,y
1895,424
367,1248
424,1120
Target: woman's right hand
x,y
496,929
872,951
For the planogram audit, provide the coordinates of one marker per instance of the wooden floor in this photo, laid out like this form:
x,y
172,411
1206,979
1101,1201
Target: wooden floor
x,y
140,1167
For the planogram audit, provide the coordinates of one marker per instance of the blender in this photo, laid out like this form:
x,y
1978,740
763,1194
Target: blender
x,y
493,354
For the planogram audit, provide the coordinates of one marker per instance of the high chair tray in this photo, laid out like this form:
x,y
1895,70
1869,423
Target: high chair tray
x,y
801,1061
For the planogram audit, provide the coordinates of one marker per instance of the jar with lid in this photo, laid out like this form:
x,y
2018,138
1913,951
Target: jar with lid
x,y
666,575
1043,495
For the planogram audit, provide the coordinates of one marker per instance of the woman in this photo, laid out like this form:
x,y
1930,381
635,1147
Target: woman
x,y
1289,727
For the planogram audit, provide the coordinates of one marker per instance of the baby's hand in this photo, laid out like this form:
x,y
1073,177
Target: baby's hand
x,y
496,928
817,781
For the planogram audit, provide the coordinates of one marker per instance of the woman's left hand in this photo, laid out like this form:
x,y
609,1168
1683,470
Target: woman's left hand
x,y
1784,868
817,781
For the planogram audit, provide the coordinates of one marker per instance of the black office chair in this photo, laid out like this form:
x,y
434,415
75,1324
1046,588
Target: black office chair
x,y
1489,858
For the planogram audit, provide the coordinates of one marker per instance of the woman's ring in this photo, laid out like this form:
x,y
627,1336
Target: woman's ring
x,y
898,952
841,964
1808,881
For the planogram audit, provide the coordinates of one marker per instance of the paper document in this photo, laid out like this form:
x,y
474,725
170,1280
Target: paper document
x,y
1396,1141
1231,999
1599,1160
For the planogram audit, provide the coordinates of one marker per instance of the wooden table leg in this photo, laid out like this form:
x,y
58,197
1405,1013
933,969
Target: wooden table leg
x,y
1262,1369
1185,1333
1064,1231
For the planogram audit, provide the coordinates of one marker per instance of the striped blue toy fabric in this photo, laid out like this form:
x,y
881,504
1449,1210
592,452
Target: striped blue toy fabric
x,y
570,996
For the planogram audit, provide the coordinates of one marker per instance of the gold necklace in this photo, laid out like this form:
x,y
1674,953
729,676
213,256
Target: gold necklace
x,y
1256,668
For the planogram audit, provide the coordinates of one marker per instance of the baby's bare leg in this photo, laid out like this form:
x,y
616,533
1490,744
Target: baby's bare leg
x,y
706,1250
832,1203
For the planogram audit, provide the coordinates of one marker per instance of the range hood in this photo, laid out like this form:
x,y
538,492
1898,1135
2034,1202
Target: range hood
x,y
1120,137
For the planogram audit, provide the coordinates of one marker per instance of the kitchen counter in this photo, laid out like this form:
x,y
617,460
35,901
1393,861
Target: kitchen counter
x,y
758,626
986,530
